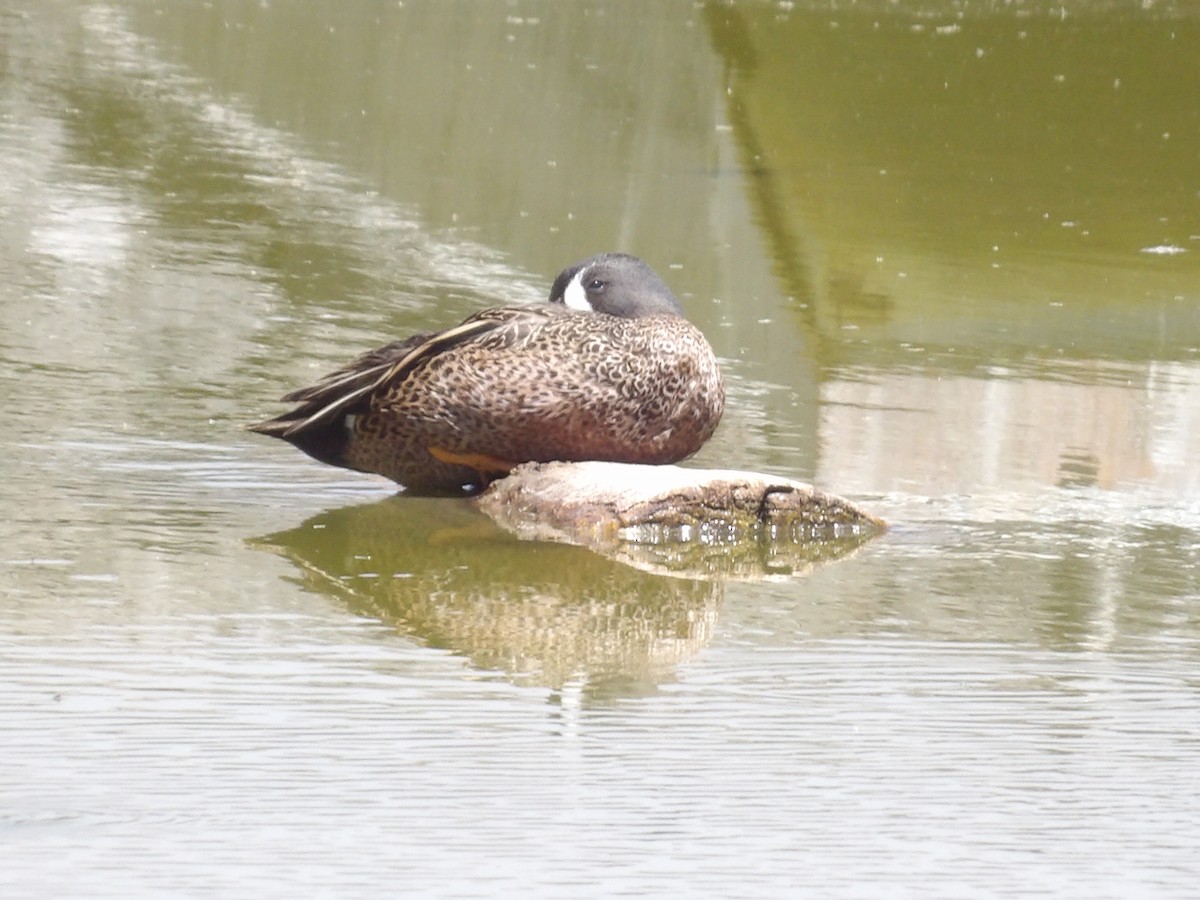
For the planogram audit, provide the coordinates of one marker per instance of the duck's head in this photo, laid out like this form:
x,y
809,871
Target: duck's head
x,y
615,284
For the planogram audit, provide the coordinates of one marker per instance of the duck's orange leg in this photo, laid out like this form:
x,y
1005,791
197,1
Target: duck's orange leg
x,y
490,467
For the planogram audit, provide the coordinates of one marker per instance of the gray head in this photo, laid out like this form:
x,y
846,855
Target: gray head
x,y
616,284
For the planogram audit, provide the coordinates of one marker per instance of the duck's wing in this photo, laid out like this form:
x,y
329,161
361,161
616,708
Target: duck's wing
x,y
362,372
349,390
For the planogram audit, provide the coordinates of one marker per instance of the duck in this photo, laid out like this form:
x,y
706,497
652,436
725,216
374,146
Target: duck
x,y
609,369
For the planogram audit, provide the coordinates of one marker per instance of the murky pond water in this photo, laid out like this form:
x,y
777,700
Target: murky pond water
x,y
950,258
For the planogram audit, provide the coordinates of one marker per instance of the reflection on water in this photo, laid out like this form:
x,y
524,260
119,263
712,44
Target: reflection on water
x,y
1117,427
948,256
614,621
1018,157
548,614
986,221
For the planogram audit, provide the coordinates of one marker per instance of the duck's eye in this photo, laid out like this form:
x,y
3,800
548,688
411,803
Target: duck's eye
x,y
595,285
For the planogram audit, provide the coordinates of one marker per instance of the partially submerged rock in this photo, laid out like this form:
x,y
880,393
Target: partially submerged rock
x,y
692,521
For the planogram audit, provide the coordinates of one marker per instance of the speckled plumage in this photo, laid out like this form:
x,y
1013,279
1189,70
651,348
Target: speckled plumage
x,y
457,408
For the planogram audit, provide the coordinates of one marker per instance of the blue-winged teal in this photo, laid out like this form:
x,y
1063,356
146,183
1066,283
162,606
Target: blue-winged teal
x,y
608,370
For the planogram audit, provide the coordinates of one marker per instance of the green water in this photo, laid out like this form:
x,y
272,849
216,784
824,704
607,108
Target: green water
x,y
948,255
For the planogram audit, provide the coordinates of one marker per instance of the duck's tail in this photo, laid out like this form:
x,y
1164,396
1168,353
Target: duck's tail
x,y
322,423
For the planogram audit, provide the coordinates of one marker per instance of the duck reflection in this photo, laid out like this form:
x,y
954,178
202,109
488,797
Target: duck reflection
x,y
545,613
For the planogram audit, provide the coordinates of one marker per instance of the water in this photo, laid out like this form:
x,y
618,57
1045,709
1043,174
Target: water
x,y
948,257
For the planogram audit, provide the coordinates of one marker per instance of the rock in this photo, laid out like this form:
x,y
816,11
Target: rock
x,y
691,521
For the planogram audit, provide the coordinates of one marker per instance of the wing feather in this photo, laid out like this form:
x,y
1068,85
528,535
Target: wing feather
x,y
349,389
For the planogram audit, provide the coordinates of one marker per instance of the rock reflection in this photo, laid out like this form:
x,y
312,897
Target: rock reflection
x,y
546,614
770,556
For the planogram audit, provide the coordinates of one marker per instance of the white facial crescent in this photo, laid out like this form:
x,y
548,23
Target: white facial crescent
x,y
575,297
